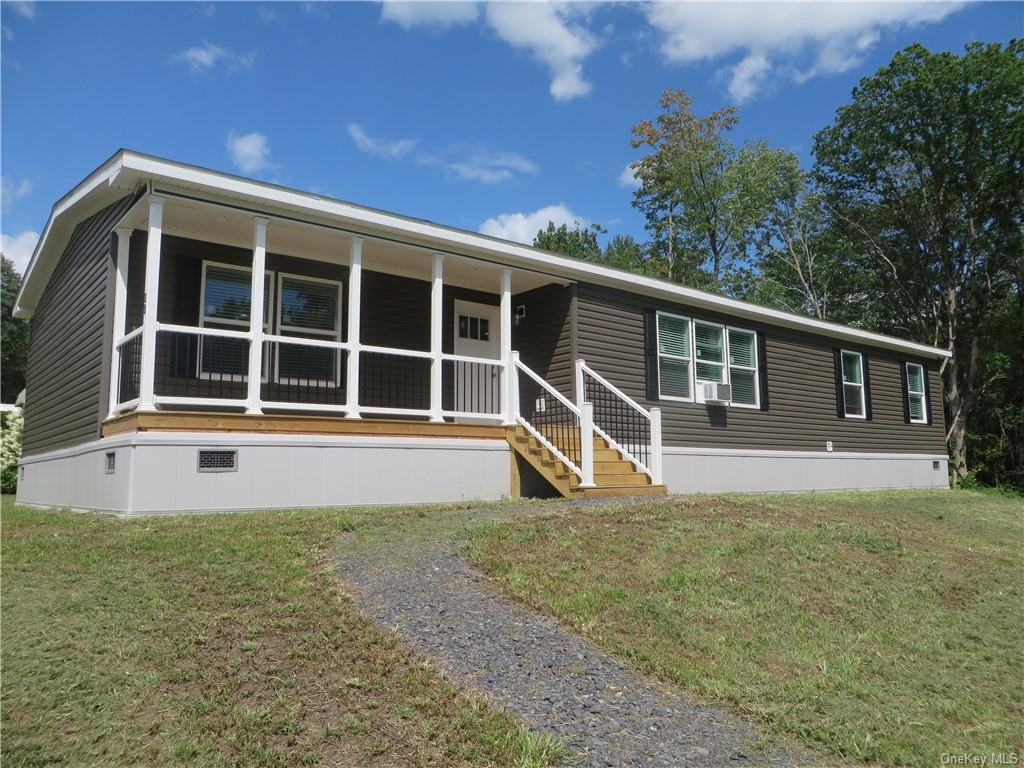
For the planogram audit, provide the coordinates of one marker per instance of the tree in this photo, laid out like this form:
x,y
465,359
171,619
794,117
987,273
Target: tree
x,y
699,193
13,335
924,172
579,242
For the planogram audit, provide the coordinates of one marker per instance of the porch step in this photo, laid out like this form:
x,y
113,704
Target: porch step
x,y
614,475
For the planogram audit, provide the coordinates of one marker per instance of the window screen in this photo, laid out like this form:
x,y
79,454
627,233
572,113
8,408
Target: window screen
x,y
709,344
743,366
674,357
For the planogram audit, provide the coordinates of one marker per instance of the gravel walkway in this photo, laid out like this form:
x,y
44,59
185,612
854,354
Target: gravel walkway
x,y
554,680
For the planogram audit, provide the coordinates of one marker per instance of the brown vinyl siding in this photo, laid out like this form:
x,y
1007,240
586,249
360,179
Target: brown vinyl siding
x,y
66,391
544,337
801,386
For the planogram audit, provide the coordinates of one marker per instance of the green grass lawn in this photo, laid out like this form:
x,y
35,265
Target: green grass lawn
x,y
216,640
885,627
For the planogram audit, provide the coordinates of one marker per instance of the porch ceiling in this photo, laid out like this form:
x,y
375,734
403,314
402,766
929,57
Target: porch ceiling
x,y
203,221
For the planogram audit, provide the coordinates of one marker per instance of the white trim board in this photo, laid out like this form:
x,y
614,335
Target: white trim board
x,y
128,170
786,454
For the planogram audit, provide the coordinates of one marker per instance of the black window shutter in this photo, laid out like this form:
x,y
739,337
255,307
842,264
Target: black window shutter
x,y
762,371
906,394
837,356
927,395
867,386
651,352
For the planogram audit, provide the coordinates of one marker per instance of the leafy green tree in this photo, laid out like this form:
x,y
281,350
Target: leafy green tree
x,y
699,193
13,335
923,172
579,242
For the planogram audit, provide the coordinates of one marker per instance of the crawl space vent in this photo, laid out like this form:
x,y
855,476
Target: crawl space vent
x,y
218,461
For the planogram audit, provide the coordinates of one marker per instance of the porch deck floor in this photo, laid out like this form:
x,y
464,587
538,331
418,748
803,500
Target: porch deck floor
x,y
200,421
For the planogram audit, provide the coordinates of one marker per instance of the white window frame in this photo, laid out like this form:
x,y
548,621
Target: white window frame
x,y
862,386
755,369
203,319
724,365
657,349
334,335
923,394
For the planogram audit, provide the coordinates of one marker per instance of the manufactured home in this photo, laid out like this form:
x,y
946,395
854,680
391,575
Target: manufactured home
x,y
201,341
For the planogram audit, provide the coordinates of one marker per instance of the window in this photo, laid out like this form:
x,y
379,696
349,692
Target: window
x,y
310,308
853,385
743,368
225,297
917,402
709,346
717,354
478,328
674,357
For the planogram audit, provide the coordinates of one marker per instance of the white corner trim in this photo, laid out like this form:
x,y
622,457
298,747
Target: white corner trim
x,y
144,167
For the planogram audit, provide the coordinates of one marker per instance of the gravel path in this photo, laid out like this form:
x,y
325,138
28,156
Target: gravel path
x,y
553,679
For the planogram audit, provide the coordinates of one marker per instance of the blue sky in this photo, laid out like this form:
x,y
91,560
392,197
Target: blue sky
x,y
488,117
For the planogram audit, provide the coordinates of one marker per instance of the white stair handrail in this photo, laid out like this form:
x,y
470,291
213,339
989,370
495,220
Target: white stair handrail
x,y
585,472
653,416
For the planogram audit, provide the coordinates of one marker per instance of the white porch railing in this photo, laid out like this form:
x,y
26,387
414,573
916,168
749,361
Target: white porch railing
x,y
208,367
624,423
560,426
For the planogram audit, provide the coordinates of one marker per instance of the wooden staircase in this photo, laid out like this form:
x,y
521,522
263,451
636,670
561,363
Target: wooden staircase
x,y
614,475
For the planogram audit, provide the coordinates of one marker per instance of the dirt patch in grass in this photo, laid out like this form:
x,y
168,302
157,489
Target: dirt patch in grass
x,y
881,626
220,640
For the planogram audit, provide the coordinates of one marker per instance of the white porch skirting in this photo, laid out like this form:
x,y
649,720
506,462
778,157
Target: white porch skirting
x,y
716,470
158,472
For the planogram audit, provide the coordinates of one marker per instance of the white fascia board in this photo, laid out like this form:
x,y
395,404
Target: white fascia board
x,y
58,228
148,168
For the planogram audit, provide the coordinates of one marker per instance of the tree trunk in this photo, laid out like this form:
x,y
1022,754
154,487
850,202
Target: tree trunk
x,y
956,420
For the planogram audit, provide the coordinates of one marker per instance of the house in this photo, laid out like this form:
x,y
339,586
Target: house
x,y
202,341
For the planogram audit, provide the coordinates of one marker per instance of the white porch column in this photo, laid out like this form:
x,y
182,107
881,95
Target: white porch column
x,y
657,472
254,403
506,344
587,444
156,223
436,337
124,235
355,293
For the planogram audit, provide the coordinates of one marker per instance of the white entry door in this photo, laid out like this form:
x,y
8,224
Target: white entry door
x,y
477,334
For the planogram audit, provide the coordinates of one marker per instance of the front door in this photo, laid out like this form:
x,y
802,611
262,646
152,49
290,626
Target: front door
x,y
477,334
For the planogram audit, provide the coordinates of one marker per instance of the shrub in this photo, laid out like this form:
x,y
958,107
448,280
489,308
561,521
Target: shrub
x,y
10,450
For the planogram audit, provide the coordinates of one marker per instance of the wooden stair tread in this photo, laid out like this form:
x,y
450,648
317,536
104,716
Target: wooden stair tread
x,y
614,475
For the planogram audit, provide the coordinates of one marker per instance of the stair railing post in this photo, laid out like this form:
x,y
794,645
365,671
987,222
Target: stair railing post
x,y
513,385
587,444
578,383
656,466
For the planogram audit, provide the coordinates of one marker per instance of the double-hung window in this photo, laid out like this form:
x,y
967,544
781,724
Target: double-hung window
x,y
308,307
917,398
692,352
675,357
226,304
854,405
743,368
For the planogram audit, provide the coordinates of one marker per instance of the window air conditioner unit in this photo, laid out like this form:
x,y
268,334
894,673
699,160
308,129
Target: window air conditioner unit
x,y
716,393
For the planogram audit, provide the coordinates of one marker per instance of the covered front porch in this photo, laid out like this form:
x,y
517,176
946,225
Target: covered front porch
x,y
264,323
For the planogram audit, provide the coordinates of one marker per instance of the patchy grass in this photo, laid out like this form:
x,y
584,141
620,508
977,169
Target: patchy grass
x,y
881,626
217,640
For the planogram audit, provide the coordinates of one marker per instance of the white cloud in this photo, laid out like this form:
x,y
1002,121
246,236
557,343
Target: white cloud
x,y
833,36
489,167
748,76
428,14
201,58
523,227
250,152
11,191
389,150
550,33
19,248
24,8
266,14
628,178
